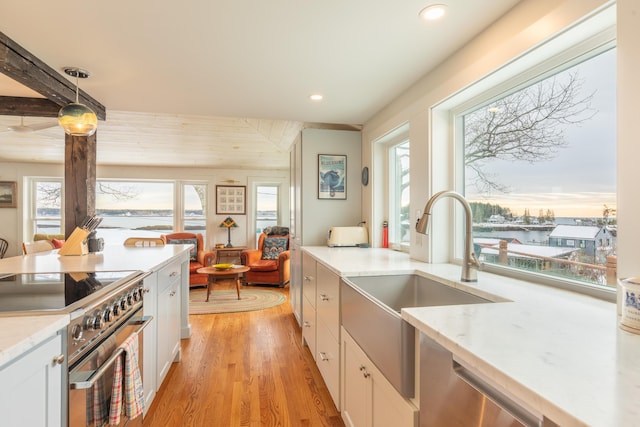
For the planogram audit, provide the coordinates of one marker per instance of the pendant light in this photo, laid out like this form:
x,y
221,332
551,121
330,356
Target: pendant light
x,y
77,119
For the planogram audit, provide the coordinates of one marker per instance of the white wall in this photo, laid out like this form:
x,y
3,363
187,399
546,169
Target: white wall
x,y
11,219
528,24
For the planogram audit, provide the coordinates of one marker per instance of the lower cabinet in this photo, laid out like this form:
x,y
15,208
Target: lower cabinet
x,y
368,399
168,320
32,387
162,301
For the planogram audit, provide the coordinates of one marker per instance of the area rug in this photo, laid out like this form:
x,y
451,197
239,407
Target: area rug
x,y
227,301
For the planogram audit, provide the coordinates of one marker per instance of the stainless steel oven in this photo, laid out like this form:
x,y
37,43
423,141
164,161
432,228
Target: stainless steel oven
x,y
105,309
91,377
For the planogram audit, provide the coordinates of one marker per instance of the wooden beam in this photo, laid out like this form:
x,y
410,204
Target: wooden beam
x,y
79,180
28,107
20,65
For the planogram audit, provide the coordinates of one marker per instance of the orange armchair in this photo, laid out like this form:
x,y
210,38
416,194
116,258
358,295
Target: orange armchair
x,y
269,264
199,256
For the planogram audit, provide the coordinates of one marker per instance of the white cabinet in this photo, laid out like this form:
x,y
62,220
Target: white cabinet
x,y
31,392
321,320
168,320
309,302
328,329
368,399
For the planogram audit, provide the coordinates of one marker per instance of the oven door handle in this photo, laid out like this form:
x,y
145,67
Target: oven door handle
x,y
95,375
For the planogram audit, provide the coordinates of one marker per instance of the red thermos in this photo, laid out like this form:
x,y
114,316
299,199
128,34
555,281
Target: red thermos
x,y
385,234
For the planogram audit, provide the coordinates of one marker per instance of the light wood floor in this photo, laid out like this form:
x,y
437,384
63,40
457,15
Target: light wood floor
x,y
244,369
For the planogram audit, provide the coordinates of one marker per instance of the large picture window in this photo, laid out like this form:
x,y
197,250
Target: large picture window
x,y
540,171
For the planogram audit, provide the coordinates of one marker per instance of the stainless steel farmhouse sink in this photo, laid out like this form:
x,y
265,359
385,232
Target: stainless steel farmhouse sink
x,y
370,309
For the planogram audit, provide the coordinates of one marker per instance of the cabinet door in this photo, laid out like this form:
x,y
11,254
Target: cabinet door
x,y
169,280
150,340
31,392
357,386
295,280
328,360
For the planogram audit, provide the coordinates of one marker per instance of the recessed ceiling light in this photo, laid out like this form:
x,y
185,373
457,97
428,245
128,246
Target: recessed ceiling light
x,y
315,97
433,12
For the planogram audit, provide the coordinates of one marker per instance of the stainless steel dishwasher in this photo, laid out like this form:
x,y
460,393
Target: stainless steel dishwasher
x,y
451,395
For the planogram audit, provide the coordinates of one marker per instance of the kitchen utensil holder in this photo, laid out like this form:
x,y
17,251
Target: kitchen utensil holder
x,y
76,244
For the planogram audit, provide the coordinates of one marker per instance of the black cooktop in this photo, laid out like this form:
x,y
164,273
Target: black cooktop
x,y
27,292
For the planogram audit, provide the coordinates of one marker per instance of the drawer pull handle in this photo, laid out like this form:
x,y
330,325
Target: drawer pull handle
x,y
323,356
307,324
172,293
324,297
173,274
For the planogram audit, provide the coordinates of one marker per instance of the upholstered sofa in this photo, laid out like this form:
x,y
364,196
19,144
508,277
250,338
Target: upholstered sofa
x,y
199,256
269,264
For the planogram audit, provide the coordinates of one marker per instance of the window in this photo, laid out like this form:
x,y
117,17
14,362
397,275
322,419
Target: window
x,y
546,145
399,224
194,209
146,207
266,207
46,213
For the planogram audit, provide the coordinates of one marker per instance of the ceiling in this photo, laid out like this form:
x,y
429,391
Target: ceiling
x,y
226,83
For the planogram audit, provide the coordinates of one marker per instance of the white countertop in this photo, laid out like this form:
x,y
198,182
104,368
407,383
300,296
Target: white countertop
x,y
559,353
112,258
21,333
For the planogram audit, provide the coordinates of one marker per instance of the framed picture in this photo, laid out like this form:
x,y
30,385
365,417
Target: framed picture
x,y
332,176
8,196
231,199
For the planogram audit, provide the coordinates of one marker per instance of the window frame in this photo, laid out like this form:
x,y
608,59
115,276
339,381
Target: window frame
x,y
568,48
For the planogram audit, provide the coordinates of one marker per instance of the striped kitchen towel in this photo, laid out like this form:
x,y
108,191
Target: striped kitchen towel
x,y
127,394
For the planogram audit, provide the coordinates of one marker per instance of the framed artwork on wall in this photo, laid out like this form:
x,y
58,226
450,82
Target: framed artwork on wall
x,y
8,194
332,176
231,199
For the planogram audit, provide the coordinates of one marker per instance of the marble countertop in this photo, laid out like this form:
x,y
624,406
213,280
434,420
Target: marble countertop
x,y
556,352
20,333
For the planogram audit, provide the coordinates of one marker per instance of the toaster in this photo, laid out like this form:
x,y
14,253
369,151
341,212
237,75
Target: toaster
x,y
347,236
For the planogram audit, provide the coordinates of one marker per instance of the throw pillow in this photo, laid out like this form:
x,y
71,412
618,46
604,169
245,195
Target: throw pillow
x,y
193,254
272,247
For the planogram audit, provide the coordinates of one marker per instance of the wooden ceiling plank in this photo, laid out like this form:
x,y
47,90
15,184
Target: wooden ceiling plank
x,y
20,65
28,107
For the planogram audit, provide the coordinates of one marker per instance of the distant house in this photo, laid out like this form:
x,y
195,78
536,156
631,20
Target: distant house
x,y
496,219
589,239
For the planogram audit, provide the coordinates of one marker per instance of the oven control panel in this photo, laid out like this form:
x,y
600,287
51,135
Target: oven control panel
x,y
103,317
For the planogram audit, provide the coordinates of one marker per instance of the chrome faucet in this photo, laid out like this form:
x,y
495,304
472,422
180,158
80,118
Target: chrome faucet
x,y
470,263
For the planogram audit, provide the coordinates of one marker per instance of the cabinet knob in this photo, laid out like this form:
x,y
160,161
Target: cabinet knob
x,y
58,360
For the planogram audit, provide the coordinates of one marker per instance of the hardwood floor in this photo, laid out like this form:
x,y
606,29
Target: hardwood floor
x,y
244,369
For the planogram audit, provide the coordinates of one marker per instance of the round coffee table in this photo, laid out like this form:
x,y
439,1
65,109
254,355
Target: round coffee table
x,y
214,274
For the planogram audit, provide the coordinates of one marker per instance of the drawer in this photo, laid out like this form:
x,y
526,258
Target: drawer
x,y
328,300
168,275
309,325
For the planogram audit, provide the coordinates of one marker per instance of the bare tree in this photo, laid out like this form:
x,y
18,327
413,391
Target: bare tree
x,y
528,125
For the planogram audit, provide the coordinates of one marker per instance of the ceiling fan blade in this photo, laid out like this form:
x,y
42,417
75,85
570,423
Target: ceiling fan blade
x,y
22,128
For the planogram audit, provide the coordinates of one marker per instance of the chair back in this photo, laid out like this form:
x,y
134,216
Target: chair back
x,y
37,246
3,247
144,242
281,238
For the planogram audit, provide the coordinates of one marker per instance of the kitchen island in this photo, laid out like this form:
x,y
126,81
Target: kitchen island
x,y
557,353
166,304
